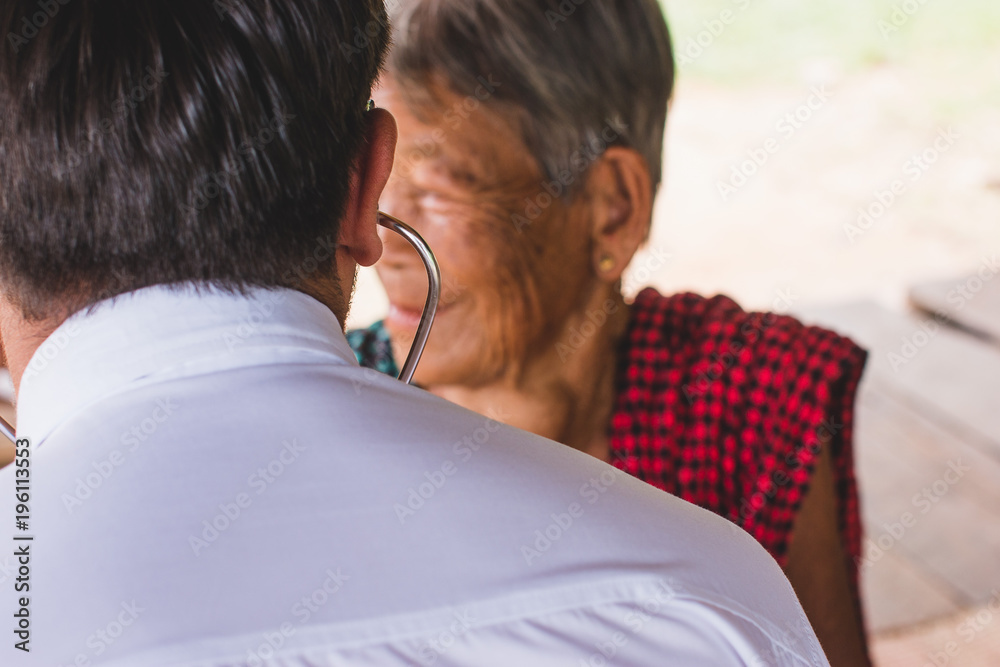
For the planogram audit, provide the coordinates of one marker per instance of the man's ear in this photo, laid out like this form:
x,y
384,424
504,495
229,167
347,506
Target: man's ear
x,y
358,229
620,197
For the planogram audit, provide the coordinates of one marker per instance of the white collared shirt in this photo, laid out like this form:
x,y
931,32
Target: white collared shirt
x,y
215,481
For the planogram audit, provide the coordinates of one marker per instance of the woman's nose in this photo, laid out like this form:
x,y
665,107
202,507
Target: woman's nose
x,y
396,251
397,201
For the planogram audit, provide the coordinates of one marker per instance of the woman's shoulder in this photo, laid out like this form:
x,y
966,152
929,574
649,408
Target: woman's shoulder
x,y
680,314
696,330
715,401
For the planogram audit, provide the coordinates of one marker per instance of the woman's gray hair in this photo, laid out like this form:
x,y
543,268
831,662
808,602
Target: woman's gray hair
x,y
576,75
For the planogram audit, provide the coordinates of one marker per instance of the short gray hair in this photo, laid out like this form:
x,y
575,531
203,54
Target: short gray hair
x,y
567,69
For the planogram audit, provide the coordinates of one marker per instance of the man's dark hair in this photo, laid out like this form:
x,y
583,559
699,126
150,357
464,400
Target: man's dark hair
x,y
148,142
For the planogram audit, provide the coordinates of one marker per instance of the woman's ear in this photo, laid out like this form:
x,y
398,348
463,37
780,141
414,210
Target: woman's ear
x,y
620,196
358,228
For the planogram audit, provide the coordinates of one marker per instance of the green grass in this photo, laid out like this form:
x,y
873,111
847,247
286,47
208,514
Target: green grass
x,y
771,40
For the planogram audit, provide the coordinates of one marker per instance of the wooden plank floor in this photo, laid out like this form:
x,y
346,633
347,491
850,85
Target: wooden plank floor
x,y
971,302
968,639
928,464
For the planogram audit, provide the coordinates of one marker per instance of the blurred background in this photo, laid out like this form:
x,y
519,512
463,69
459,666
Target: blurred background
x,y
890,93
840,160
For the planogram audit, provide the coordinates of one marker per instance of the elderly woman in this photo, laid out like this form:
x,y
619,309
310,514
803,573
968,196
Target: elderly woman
x,y
529,153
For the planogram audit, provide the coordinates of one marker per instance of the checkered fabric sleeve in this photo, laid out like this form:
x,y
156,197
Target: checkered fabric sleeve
x,y
728,410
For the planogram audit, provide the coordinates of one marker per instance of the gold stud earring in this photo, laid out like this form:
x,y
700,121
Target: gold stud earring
x,y
606,263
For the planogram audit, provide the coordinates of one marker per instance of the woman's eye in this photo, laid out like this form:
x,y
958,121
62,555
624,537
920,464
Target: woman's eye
x,y
464,179
437,197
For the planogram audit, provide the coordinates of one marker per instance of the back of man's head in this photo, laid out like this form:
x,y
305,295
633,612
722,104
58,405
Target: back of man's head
x,y
163,141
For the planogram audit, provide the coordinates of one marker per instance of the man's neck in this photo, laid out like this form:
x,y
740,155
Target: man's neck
x,y
565,392
22,337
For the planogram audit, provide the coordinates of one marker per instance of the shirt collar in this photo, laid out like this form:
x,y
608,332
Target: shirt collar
x,y
165,332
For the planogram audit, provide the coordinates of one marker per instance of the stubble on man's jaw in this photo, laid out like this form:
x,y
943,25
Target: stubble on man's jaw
x,y
327,289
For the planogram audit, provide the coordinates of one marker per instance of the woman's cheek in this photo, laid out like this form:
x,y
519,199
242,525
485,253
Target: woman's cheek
x,y
489,282
469,263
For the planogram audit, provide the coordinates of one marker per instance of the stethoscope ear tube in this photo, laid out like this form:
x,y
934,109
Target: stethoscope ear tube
x,y
426,319
433,291
7,430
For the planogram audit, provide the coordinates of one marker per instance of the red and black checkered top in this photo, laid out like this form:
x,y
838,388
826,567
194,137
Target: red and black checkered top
x,y
728,409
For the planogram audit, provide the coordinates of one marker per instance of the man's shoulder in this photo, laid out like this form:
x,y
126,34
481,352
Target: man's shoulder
x,y
401,491
563,511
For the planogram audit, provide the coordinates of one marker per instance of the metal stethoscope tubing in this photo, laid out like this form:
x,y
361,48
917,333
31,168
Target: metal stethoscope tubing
x,y
7,430
433,292
426,319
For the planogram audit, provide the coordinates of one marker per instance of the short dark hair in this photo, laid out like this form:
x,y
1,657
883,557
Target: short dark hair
x,y
147,142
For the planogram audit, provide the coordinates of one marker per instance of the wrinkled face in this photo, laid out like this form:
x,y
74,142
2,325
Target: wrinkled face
x,y
515,261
